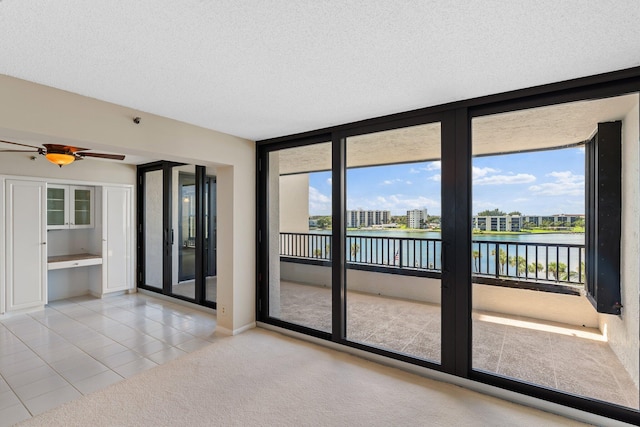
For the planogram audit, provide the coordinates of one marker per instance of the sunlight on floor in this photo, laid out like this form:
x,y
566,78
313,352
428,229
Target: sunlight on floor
x,y
562,330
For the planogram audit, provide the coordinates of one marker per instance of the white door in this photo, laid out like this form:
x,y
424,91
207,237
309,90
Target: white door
x,y
117,271
26,239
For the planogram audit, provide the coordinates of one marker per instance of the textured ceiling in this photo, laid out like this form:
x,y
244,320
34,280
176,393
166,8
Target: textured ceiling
x,y
260,69
524,130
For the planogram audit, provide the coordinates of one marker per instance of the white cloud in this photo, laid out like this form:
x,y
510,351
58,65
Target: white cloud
x,y
408,182
392,181
566,184
480,172
436,177
413,170
329,181
318,202
434,166
520,178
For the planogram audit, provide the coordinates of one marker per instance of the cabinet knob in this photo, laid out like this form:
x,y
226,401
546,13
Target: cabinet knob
x,y
44,243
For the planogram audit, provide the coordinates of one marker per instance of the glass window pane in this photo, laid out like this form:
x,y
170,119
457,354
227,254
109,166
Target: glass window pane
x,y
153,228
393,253
299,192
210,231
532,318
55,206
184,230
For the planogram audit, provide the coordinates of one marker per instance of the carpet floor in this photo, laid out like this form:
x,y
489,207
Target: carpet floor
x,y
262,378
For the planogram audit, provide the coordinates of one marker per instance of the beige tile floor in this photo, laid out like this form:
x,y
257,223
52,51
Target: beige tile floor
x,y
188,288
76,346
551,355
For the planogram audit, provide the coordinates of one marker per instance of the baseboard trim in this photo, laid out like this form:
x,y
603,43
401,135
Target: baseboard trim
x,y
229,332
508,395
174,300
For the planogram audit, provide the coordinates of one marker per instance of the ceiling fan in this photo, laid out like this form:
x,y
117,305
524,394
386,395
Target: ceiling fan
x,y
61,154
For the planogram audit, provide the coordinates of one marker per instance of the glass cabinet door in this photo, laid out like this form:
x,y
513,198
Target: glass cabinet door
x,y
56,207
82,206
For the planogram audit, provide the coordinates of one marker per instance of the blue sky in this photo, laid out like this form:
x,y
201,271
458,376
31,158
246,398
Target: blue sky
x,y
537,183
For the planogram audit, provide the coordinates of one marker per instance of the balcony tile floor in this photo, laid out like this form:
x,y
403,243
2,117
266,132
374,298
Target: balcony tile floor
x,y
572,359
77,346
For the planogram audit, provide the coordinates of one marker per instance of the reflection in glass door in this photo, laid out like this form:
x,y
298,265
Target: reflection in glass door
x,y
153,226
210,236
183,231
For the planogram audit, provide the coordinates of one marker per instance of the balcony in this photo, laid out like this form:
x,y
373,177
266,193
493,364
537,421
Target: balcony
x,y
531,324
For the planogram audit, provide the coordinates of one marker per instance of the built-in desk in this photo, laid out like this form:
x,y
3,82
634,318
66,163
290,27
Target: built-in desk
x,y
73,261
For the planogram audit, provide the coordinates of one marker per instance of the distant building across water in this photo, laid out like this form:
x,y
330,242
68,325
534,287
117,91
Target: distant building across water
x,y
362,218
517,222
417,218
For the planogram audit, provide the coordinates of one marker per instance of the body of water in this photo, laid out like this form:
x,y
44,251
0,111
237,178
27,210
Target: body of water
x,y
543,256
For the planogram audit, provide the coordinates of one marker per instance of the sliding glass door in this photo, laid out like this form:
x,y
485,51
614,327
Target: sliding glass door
x,y
553,187
177,231
299,235
494,241
394,240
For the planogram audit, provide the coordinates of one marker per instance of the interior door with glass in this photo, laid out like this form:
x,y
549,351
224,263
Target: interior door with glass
x,y
210,238
177,208
183,231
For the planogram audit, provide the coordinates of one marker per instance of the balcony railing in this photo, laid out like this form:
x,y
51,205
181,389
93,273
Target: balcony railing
x,y
556,263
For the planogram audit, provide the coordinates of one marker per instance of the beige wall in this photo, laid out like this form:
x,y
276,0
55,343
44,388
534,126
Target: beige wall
x,y
85,170
294,203
40,114
623,331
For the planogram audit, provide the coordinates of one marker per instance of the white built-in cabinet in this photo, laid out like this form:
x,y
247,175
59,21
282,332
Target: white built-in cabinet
x,y
117,227
63,240
25,244
70,206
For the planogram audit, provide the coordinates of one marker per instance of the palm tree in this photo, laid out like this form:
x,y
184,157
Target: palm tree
x,y
355,249
317,253
552,269
535,268
476,260
502,259
520,262
327,250
557,270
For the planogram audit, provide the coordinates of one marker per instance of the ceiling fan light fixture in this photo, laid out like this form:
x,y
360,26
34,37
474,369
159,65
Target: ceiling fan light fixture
x,y
60,159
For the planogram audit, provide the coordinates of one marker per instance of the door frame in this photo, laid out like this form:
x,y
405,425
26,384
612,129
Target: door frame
x,y
168,238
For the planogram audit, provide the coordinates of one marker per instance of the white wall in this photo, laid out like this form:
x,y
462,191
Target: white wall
x,y
33,112
624,331
294,203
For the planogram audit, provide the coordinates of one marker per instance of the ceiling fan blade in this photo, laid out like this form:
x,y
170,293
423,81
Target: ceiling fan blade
x,y
18,151
102,156
63,148
17,143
